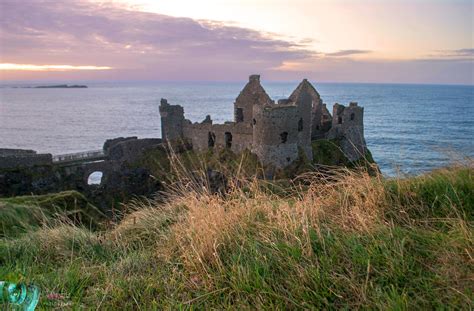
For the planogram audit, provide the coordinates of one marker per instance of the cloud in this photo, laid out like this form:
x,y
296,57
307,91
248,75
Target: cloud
x,y
466,53
347,53
146,45
29,67
422,71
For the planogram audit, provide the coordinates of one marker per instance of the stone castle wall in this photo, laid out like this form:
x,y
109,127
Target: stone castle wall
x,y
274,132
129,149
252,94
203,136
172,121
348,126
14,158
304,105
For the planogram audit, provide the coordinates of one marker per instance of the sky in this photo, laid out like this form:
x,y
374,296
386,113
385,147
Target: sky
x,y
381,41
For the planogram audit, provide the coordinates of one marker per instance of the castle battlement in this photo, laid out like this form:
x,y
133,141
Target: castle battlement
x,y
273,130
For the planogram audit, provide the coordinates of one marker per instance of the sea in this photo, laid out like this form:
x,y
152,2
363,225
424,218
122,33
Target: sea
x,y
410,129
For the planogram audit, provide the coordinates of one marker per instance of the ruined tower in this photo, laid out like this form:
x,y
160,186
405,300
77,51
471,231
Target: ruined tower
x,y
172,121
320,116
275,134
305,97
252,94
348,126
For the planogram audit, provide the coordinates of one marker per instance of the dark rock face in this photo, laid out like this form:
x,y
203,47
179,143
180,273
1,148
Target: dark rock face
x,y
13,158
37,180
121,186
24,174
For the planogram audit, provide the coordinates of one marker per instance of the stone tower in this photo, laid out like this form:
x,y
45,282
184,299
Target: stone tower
x,y
320,116
275,134
305,97
172,121
348,126
252,94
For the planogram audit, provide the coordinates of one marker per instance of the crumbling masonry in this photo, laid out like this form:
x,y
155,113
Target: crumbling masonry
x,y
275,131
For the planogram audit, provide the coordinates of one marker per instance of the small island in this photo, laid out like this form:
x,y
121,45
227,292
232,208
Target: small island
x,y
61,86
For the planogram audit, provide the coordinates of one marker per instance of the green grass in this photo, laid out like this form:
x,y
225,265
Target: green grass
x,y
359,242
328,152
325,153
25,213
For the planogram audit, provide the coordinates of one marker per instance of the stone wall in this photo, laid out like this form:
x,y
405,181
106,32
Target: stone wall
x,y
320,117
259,125
129,150
348,126
275,134
321,122
13,158
172,121
204,136
304,105
252,94
111,142
9,152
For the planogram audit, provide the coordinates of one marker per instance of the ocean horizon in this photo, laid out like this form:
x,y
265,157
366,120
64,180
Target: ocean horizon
x,y
409,128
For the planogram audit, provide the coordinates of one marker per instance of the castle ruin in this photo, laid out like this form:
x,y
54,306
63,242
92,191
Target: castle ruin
x,y
277,132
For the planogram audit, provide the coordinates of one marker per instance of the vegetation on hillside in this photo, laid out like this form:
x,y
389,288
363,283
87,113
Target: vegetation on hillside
x,y
169,166
25,213
348,240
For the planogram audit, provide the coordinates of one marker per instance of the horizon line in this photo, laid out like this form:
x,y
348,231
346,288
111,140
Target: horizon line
x,y
263,81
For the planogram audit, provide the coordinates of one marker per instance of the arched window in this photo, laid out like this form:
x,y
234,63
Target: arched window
x,y
211,140
352,116
239,115
228,139
95,178
339,120
284,137
300,125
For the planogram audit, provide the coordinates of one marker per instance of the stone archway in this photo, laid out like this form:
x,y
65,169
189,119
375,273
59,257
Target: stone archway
x,y
95,178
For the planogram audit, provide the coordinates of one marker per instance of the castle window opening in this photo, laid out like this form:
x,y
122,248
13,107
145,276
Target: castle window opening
x,y
317,127
339,120
300,125
352,116
211,140
95,178
228,139
284,137
239,115
254,122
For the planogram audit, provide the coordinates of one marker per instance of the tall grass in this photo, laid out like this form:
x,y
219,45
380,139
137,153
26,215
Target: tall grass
x,y
348,240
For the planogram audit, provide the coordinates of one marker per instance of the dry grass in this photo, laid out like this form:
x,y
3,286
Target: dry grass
x,y
348,240
352,201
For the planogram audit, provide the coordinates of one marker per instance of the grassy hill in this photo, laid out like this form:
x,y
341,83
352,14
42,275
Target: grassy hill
x,y
348,240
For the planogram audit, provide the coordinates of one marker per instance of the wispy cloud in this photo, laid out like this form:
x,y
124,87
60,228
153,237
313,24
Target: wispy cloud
x,y
79,39
343,53
29,67
148,45
453,54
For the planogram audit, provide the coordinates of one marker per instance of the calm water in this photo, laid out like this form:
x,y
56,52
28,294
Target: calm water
x,y
408,128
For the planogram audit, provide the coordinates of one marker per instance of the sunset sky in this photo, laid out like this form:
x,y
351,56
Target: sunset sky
x,y
402,41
